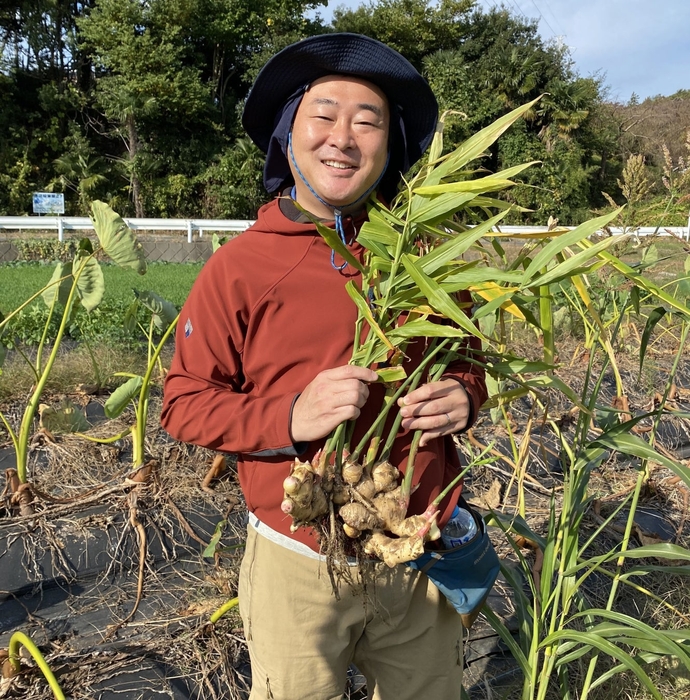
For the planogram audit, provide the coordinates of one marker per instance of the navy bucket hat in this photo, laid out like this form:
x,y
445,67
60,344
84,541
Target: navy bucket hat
x,y
277,91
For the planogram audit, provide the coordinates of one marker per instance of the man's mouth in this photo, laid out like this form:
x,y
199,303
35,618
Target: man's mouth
x,y
337,165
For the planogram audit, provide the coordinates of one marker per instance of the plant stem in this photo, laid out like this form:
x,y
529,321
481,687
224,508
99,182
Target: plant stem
x,y
226,607
19,638
31,408
142,407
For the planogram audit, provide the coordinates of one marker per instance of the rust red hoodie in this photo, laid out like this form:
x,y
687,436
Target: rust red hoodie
x,y
267,313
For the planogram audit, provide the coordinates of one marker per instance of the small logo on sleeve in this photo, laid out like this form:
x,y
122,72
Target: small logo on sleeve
x,y
188,328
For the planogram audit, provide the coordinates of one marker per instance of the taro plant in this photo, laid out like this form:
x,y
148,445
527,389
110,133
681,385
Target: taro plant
x,y
79,282
136,390
11,665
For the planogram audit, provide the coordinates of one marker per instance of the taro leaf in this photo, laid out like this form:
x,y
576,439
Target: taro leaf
x,y
62,289
217,241
117,239
559,243
391,374
130,321
90,284
86,246
65,419
164,312
3,354
654,317
686,264
120,398
210,550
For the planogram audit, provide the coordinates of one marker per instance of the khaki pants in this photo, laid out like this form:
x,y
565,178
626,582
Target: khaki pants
x,y
402,634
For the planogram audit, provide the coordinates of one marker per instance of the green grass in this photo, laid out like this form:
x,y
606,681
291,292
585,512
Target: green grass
x,y
172,281
19,281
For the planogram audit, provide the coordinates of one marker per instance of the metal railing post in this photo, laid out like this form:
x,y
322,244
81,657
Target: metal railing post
x,y
190,232
61,232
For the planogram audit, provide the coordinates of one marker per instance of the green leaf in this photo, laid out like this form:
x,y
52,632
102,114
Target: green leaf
x,y
479,186
440,300
591,639
420,328
508,639
3,355
433,210
117,239
476,145
629,444
654,317
130,320
644,282
90,282
217,242
391,374
571,265
65,419
210,551
365,312
559,243
164,312
120,398
333,239
519,366
456,246
61,289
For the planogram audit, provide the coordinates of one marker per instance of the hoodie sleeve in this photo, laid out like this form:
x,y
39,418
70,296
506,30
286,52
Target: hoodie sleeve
x,y
205,398
471,376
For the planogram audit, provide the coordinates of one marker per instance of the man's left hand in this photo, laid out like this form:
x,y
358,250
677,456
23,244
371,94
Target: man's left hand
x,y
437,408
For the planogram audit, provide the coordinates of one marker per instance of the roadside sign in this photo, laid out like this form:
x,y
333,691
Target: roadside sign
x,y
49,203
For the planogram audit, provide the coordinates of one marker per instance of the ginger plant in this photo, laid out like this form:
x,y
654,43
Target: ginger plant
x,y
410,274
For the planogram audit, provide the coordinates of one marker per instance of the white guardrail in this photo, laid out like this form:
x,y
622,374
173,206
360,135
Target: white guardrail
x,y
74,223
82,223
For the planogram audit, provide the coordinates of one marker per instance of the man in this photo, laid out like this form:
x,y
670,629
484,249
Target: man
x,y
261,370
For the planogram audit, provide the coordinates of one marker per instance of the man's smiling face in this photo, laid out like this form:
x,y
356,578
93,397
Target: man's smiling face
x,y
339,141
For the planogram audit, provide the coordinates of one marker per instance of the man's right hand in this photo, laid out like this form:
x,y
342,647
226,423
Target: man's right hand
x,y
333,396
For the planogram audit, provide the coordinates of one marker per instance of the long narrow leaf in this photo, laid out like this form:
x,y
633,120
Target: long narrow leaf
x,y
476,145
559,243
606,647
438,299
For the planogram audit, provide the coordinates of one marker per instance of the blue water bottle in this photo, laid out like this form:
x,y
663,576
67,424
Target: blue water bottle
x,y
460,529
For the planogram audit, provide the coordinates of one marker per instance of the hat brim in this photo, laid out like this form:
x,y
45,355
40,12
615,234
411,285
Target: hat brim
x,y
343,54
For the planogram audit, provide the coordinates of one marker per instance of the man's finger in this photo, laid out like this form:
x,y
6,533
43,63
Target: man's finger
x,y
362,374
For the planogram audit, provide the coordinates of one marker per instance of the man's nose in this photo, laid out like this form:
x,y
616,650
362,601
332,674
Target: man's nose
x,y
341,135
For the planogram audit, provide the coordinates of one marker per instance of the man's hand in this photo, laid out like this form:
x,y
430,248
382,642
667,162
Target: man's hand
x,y
438,408
333,396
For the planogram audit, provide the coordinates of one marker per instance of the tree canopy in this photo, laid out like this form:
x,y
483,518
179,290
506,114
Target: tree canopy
x,y
138,103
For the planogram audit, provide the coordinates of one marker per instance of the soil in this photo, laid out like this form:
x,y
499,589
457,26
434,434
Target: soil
x,y
71,575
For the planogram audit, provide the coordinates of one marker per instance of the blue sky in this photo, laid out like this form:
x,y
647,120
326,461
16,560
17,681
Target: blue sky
x,y
640,46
